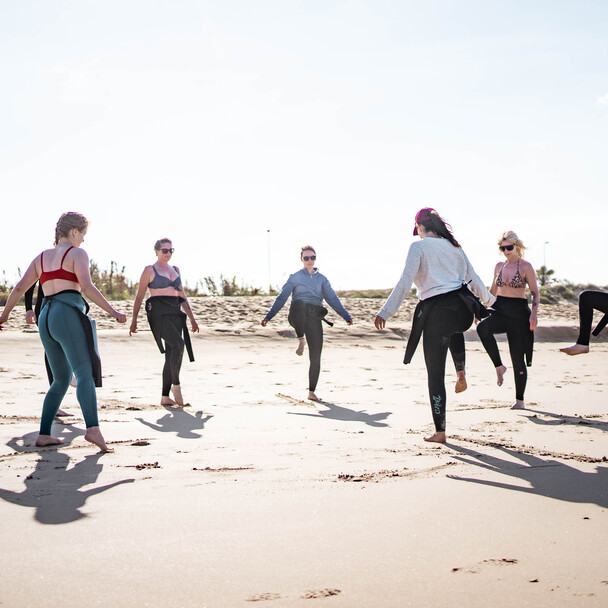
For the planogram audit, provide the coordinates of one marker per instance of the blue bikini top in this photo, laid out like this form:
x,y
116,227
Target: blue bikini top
x,y
161,282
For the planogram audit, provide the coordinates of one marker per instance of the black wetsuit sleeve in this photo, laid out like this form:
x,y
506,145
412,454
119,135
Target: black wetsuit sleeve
x,y
29,297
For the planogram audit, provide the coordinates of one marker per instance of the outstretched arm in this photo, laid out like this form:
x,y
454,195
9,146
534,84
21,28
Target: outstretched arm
x,y
27,281
83,274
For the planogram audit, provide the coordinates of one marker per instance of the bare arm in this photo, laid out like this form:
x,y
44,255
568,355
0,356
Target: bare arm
x,y
83,274
535,293
28,279
186,306
494,288
139,298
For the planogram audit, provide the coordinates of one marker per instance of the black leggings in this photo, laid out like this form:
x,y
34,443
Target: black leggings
x,y
587,302
511,316
443,329
171,333
305,319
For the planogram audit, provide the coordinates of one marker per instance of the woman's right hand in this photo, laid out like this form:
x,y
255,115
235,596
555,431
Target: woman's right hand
x,y
30,317
133,328
264,322
379,322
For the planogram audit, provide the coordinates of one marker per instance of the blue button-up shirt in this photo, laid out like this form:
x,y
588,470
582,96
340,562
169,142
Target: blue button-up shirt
x,y
310,288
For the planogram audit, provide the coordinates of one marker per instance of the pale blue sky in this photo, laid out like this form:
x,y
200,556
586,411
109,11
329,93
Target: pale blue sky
x,y
325,122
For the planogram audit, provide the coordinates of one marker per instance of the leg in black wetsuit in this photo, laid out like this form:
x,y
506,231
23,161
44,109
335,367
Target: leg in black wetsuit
x,y
588,301
514,320
174,351
313,330
448,317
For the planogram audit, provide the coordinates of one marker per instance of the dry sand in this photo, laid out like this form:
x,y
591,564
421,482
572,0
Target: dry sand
x,y
251,495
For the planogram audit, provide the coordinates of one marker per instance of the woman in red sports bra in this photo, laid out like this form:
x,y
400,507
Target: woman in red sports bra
x,y
510,313
64,329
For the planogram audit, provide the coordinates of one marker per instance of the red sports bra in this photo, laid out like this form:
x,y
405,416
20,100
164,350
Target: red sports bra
x,y
60,273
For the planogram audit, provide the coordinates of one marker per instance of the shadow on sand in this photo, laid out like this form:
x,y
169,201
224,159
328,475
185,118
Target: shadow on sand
x,y
337,412
54,491
180,422
549,478
62,430
563,419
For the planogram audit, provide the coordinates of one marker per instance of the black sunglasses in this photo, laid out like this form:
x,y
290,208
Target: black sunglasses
x,y
309,257
506,247
165,250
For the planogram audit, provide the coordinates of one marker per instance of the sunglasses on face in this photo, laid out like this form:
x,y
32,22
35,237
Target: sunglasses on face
x,y
165,250
506,247
309,257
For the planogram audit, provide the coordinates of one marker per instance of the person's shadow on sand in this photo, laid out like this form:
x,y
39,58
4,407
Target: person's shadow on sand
x,y
563,419
179,421
337,412
27,443
549,478
54,491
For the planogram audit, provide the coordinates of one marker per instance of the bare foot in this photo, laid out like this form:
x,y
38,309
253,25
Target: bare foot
x,y
93,435
300,349
313,397
438,437
62,413
44,440
518,405
166,401
500,373
176,389
461,382
577,349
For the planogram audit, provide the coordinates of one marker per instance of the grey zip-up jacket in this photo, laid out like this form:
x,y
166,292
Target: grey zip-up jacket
x,y
310,288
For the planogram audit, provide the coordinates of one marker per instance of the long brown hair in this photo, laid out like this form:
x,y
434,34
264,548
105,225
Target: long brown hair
x,y
433,222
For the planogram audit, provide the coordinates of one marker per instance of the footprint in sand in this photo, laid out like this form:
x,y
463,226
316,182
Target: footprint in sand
x,y
262,597
316,593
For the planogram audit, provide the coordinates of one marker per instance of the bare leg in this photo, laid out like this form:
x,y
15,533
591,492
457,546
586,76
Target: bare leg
x,y
438,437
461,381
166,401
518,405
61,413
313,397
176,389
576,349
500,373
94,436
301,345
44,440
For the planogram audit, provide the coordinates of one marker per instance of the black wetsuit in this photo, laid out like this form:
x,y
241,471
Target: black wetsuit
x,y
588,301
510,316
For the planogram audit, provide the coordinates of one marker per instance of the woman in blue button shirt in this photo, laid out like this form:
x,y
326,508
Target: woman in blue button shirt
x,y
308,288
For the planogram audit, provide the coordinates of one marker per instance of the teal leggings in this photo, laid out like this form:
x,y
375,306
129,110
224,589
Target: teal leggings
x,y
65,345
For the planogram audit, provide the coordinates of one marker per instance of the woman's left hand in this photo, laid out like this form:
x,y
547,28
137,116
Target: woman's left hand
x,y
533,322
194,326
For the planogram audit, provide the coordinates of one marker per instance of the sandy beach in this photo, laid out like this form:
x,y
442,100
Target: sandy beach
x,y
252,495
